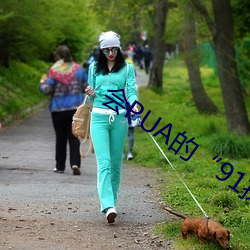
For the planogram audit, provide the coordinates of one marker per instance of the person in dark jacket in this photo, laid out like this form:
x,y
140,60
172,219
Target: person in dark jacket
x,y
147,54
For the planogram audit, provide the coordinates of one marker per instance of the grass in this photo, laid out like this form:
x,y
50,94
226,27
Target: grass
x,y
176,108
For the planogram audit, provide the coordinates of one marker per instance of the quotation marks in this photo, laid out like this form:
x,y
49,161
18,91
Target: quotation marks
x,y
228,173
216,157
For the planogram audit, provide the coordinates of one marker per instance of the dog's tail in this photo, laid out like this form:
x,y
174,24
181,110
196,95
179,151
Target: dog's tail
x,y
175,213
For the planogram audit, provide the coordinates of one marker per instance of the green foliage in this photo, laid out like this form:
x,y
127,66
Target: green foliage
x,y
241,17
175,25
128,18
243,59
175,28
29,33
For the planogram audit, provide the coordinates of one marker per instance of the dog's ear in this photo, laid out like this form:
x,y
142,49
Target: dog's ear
x,y
228,237
214,235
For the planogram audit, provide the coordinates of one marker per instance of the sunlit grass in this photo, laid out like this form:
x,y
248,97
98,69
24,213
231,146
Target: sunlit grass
x,y
175,105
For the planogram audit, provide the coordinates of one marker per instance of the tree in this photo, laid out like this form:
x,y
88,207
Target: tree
x,y
28,33
201,99
159,44
223,38
128,18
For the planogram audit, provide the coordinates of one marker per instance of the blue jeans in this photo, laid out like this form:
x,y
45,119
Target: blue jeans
x,y
131,139
108,139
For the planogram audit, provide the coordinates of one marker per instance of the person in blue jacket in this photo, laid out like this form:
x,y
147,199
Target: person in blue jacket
x,y
65,83
108,128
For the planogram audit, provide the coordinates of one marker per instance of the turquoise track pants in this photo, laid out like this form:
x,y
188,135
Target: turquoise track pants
x,y
108,138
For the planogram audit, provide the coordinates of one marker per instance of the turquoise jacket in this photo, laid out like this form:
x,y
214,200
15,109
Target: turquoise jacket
x,y
124,79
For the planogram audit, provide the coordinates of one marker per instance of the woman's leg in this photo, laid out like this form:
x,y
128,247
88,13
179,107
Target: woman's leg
x,y
60,127
74,144
108,140
99,131
118,136
130,139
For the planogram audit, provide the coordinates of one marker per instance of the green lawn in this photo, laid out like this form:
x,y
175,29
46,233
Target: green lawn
x,y
176,108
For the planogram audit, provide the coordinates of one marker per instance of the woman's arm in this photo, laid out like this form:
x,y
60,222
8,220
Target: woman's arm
x,y
90,89
131,84
46,85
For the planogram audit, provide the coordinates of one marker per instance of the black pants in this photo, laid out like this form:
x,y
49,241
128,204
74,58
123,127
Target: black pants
x,y
147,65
62,122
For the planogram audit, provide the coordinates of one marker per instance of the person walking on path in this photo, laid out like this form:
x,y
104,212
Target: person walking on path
x,y
131,129
109,129
147,54
65,84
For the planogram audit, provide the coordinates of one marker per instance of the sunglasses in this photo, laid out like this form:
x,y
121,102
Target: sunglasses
x,y
106,51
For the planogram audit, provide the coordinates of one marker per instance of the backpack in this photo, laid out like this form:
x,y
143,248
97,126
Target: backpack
x,y
81,126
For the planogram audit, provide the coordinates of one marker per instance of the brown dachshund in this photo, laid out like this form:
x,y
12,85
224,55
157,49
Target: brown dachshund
x,y
204,228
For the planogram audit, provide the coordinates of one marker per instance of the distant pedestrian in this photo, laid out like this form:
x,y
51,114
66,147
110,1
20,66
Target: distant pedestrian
x,y
147,54
93,55
65,84
138,55
109,129
130,127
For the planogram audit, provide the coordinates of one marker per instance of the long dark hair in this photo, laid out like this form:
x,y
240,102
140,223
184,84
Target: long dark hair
x,y
102,67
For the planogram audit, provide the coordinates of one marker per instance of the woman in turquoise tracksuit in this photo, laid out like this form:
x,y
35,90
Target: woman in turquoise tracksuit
x,y
108,128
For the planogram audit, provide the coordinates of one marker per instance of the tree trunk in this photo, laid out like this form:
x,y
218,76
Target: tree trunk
x,y
223,38
201,99
233,98
159,46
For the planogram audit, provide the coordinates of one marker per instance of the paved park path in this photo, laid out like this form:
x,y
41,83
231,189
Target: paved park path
x,y
40,209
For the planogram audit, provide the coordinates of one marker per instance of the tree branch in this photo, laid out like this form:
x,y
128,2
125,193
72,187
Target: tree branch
x,y
202,9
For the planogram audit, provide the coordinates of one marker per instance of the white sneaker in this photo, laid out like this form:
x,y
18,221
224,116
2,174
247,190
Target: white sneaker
x,y
130,156
58,171
111,214
76,170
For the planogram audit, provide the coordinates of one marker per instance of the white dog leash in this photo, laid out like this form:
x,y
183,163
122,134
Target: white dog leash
x,y
178,176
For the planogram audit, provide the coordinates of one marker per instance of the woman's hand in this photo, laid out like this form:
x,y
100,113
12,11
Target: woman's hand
x,y
135,109
43,79
90,91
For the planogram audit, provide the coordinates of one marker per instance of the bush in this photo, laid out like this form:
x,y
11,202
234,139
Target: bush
x,y
231,146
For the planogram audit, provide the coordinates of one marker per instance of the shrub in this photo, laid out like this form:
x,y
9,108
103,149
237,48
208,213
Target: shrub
x,y
231,146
